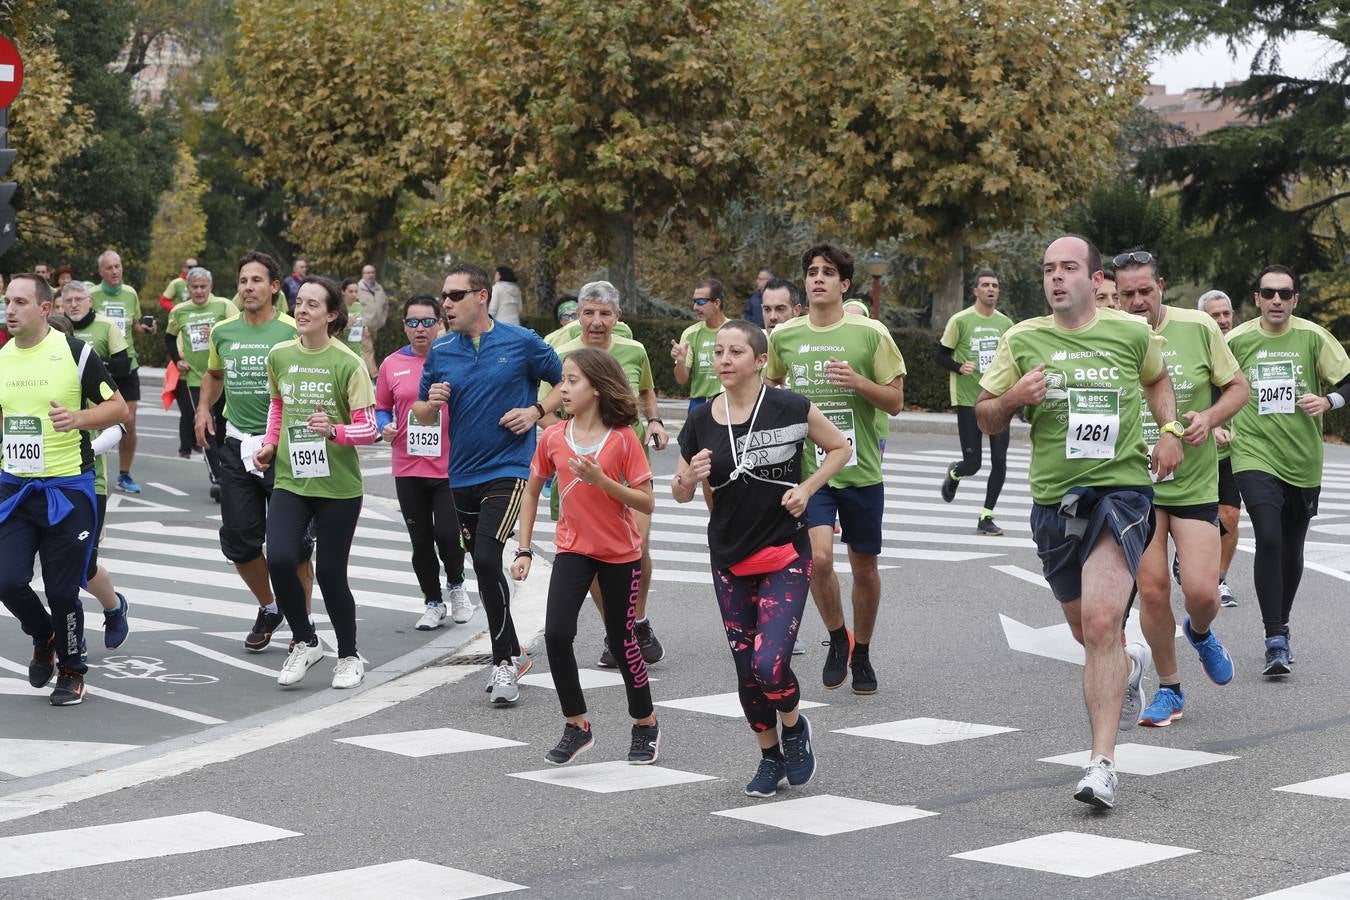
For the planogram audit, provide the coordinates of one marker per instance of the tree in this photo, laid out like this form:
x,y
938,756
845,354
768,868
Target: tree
x,y
1121,214
179,229
941,121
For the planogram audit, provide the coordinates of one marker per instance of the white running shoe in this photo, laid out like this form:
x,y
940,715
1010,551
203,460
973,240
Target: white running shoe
x,y
297,663
1098,785
432,617
505,691
1133,703
349,672
461,607
521,664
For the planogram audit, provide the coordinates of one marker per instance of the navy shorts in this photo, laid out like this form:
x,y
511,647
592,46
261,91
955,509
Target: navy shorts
x,y
1127,513
859,511
696,402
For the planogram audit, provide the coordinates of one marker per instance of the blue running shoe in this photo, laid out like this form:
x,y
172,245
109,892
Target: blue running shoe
x,y
1277,655
799,754
115,625
127,485
769,777
1218,665
1165,708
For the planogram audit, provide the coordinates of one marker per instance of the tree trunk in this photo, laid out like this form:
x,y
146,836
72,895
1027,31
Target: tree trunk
x,y
950,297
546,274
622,266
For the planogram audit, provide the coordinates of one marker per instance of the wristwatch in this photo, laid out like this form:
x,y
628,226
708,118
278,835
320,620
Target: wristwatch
x,y
1175,428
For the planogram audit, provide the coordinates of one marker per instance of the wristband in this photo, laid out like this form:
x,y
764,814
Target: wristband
x,y
332,432
658,420
521,551
1336,400
540,407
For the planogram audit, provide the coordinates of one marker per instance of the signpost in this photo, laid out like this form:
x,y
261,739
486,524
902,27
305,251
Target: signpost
x,y
11,79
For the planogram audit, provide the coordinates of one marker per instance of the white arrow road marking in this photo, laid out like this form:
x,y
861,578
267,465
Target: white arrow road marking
x,y
1056,641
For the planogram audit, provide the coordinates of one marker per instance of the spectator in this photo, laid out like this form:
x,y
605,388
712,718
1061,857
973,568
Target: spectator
x,y
505,304
754,307
63,274
291,283
374,301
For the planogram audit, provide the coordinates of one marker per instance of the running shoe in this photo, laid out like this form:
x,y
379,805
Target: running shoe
x,y
461,607
798,647
836,660
607,660
432,617
769,777
864,677
69,690
297,663
1214,659
949,485
521,664
1164,709
1277,655
215,492
42,666
574,742
798,754
126,484
115,625
349,672
1133,702
1226,597
645,745
987,527
1289,642
505,691
263,627
652,651
1098,785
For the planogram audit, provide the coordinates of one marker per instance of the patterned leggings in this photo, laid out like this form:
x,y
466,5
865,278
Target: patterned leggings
x,y
761,614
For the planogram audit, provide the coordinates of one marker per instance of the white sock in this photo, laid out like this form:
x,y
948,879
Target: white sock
x,y
271,607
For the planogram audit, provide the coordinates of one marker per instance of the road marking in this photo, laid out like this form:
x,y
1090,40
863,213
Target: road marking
x,y
225,658
925,731
22,757
1026,575
1144,759
168,489
430,742
122,503
1074,853
825,814
728,705
612,777
188,714
407,879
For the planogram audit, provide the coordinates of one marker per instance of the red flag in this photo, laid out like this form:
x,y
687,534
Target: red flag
x,y
170,383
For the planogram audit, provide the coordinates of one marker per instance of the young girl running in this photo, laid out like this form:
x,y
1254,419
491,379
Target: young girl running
x,y
747,444
603,476
322,407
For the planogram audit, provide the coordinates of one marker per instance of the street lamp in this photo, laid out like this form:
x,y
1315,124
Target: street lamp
x,y
876,266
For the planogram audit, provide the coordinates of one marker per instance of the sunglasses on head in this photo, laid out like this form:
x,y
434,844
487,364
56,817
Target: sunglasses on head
x,y
1269,293
425,322
1135,258
456,296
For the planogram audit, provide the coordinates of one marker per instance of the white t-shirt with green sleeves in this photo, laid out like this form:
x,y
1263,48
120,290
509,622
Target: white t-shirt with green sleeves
x,y
972,337
1271,434
1088,432
335,380
700,339
798,352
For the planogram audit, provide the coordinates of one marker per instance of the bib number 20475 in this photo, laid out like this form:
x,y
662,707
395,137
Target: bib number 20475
x,y
1094,423
308,452
1274,388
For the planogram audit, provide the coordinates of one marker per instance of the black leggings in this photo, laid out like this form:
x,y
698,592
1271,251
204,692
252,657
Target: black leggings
x,y
488,514
288,518
968,428
1280,514
572,574
428,507
188,398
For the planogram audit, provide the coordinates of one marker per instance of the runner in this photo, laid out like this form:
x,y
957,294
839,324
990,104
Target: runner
x,y
1186,504
47,504
604,478
176,291
358,337
118,302
187,343
1106,295
1219,307
322,409
760,548
780,301
421,457
487,374
1079,372
693,351
236,368
966,349
859,308
850,368
569,329
1277,443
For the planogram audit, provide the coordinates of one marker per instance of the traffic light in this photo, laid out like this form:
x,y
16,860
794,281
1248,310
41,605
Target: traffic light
x,y
7,217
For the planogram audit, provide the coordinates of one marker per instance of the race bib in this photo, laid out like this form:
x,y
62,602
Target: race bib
x,y
424,440
843,420
199,336
985,353
23,445
1274,388
308,451
357,329
1094,422
118,313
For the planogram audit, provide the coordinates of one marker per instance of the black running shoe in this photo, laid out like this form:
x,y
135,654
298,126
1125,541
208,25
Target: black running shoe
x,y
799,756
575,741
69,688
987,527
650,644
949,485
645,746
864,679
215,492
43,664
836,660
607,660
263,626
769,777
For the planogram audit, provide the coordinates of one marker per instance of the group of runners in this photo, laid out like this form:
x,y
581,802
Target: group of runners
x,y
1147,423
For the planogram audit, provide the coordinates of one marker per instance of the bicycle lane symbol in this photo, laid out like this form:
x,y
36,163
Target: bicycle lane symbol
x,y
148,668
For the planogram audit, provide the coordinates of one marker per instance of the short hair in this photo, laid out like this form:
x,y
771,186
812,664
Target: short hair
x,y
715,289
105,254
754,335
616,404
1153,263
266,260
779,284
506,273
478,278
763,269
1109,275
61,323
601,291
423,300
1277,270
42,291
837,256
74,286
200,272
298,261
1213,295
349,281
985,273
1094,256
332,300
63,269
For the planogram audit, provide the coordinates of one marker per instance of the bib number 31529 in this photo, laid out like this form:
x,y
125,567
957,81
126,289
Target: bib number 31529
x,y
308,452
23,445
1094,423
424,440
1274,388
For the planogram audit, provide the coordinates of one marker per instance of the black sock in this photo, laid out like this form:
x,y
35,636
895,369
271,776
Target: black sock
x,y
1176,687
839,635
774,752
795,729
860,650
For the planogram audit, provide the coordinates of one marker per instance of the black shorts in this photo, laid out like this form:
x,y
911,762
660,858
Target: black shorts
x,y
1263,489
1201,512
100,525
1229,495
1127,513
129,385
489,509
243,508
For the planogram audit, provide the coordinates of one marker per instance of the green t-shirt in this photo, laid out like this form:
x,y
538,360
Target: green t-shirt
x,y
632,356
798,352
356,327
123,307
700,339
1270,433
104,335
972,338
334,379
572,330
177,291
239,350
1088,432
278,303
1198,360
191,324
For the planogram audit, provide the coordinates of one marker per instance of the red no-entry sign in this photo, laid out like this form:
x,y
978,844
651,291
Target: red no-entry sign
x,y
11,72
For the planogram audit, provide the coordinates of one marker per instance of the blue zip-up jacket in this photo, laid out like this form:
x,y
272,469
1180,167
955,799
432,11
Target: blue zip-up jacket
x,y
501,374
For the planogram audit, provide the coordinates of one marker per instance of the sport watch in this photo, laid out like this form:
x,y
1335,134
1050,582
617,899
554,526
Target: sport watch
x,y
1175,428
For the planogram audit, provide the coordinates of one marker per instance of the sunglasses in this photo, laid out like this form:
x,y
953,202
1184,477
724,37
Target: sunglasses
x,y
1136,258
455,296
1269,293
427,322
702,301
